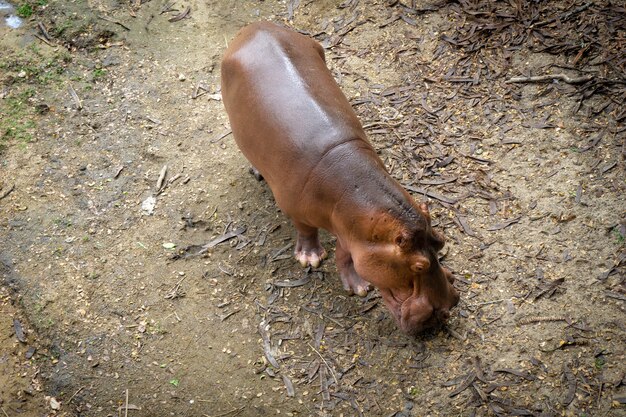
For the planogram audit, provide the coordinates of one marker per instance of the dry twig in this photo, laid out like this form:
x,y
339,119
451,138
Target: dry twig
x,y
117,22
551,77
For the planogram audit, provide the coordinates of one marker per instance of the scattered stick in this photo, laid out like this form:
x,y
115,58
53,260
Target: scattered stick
x,y
234,412
222,136
504,224
44,40
267,346
19,331
522,374
456,334
162,175
7,192
551,77
224,237
168,8
326,363
175,292
118,172
117,22
487,303
292,284
180,16
563,17
126,405
197,93
75,394
541,319
77,100
469,379
291,392
571,385
615,295
432,194
44,31
462,221
227,315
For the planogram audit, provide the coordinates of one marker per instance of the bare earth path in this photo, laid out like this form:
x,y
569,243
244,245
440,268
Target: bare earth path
x,y
124,313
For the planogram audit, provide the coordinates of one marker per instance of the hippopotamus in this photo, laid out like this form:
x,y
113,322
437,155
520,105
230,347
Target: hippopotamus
x,y
295,126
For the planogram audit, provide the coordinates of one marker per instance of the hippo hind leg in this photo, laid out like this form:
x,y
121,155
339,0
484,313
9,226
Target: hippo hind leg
x,y
352,282
309,250
256,173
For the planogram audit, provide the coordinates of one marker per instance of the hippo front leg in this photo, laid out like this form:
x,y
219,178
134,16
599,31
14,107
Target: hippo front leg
x,y
309,250
352,282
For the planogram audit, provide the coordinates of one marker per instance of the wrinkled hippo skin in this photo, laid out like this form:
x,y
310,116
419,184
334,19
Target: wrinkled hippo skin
x,y
293,123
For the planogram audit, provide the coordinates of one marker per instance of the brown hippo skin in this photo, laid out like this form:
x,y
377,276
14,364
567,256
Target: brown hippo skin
x,y
293,123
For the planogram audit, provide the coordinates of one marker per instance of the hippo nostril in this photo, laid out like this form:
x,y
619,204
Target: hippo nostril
x,y
443,315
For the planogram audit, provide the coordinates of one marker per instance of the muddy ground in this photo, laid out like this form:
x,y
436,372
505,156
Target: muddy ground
x,y
108,309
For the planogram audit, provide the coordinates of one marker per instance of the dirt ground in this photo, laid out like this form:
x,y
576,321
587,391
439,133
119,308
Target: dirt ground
x,y
110,306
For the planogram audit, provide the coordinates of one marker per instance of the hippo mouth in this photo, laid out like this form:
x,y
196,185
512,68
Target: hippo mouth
x,y
413,313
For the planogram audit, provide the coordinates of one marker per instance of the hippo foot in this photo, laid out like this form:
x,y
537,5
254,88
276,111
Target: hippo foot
x,y
353,283
309,250
311,258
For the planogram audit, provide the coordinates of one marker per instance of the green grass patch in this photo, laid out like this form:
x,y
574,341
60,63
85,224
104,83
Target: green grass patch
x,y
33,66
25,10
16,123
98,73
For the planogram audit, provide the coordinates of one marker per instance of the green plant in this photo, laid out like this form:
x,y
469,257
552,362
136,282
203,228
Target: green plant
x,y
25,10
98,73
60,28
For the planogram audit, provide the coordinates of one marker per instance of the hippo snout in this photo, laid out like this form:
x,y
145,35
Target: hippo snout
x,y
419,313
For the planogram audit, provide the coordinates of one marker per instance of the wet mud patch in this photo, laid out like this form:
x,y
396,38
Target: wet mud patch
x,y
525,178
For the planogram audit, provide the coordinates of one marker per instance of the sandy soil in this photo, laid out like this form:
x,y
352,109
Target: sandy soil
x,y
118,315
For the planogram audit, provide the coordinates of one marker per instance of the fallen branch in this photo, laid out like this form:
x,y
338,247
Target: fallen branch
x,y
550,77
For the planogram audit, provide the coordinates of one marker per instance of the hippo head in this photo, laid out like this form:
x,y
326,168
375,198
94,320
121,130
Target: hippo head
x,y
402,263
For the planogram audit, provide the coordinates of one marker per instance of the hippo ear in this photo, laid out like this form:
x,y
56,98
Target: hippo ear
x,y
419,264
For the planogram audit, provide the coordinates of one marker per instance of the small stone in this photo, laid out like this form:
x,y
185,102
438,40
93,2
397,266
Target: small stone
x,y
54,404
